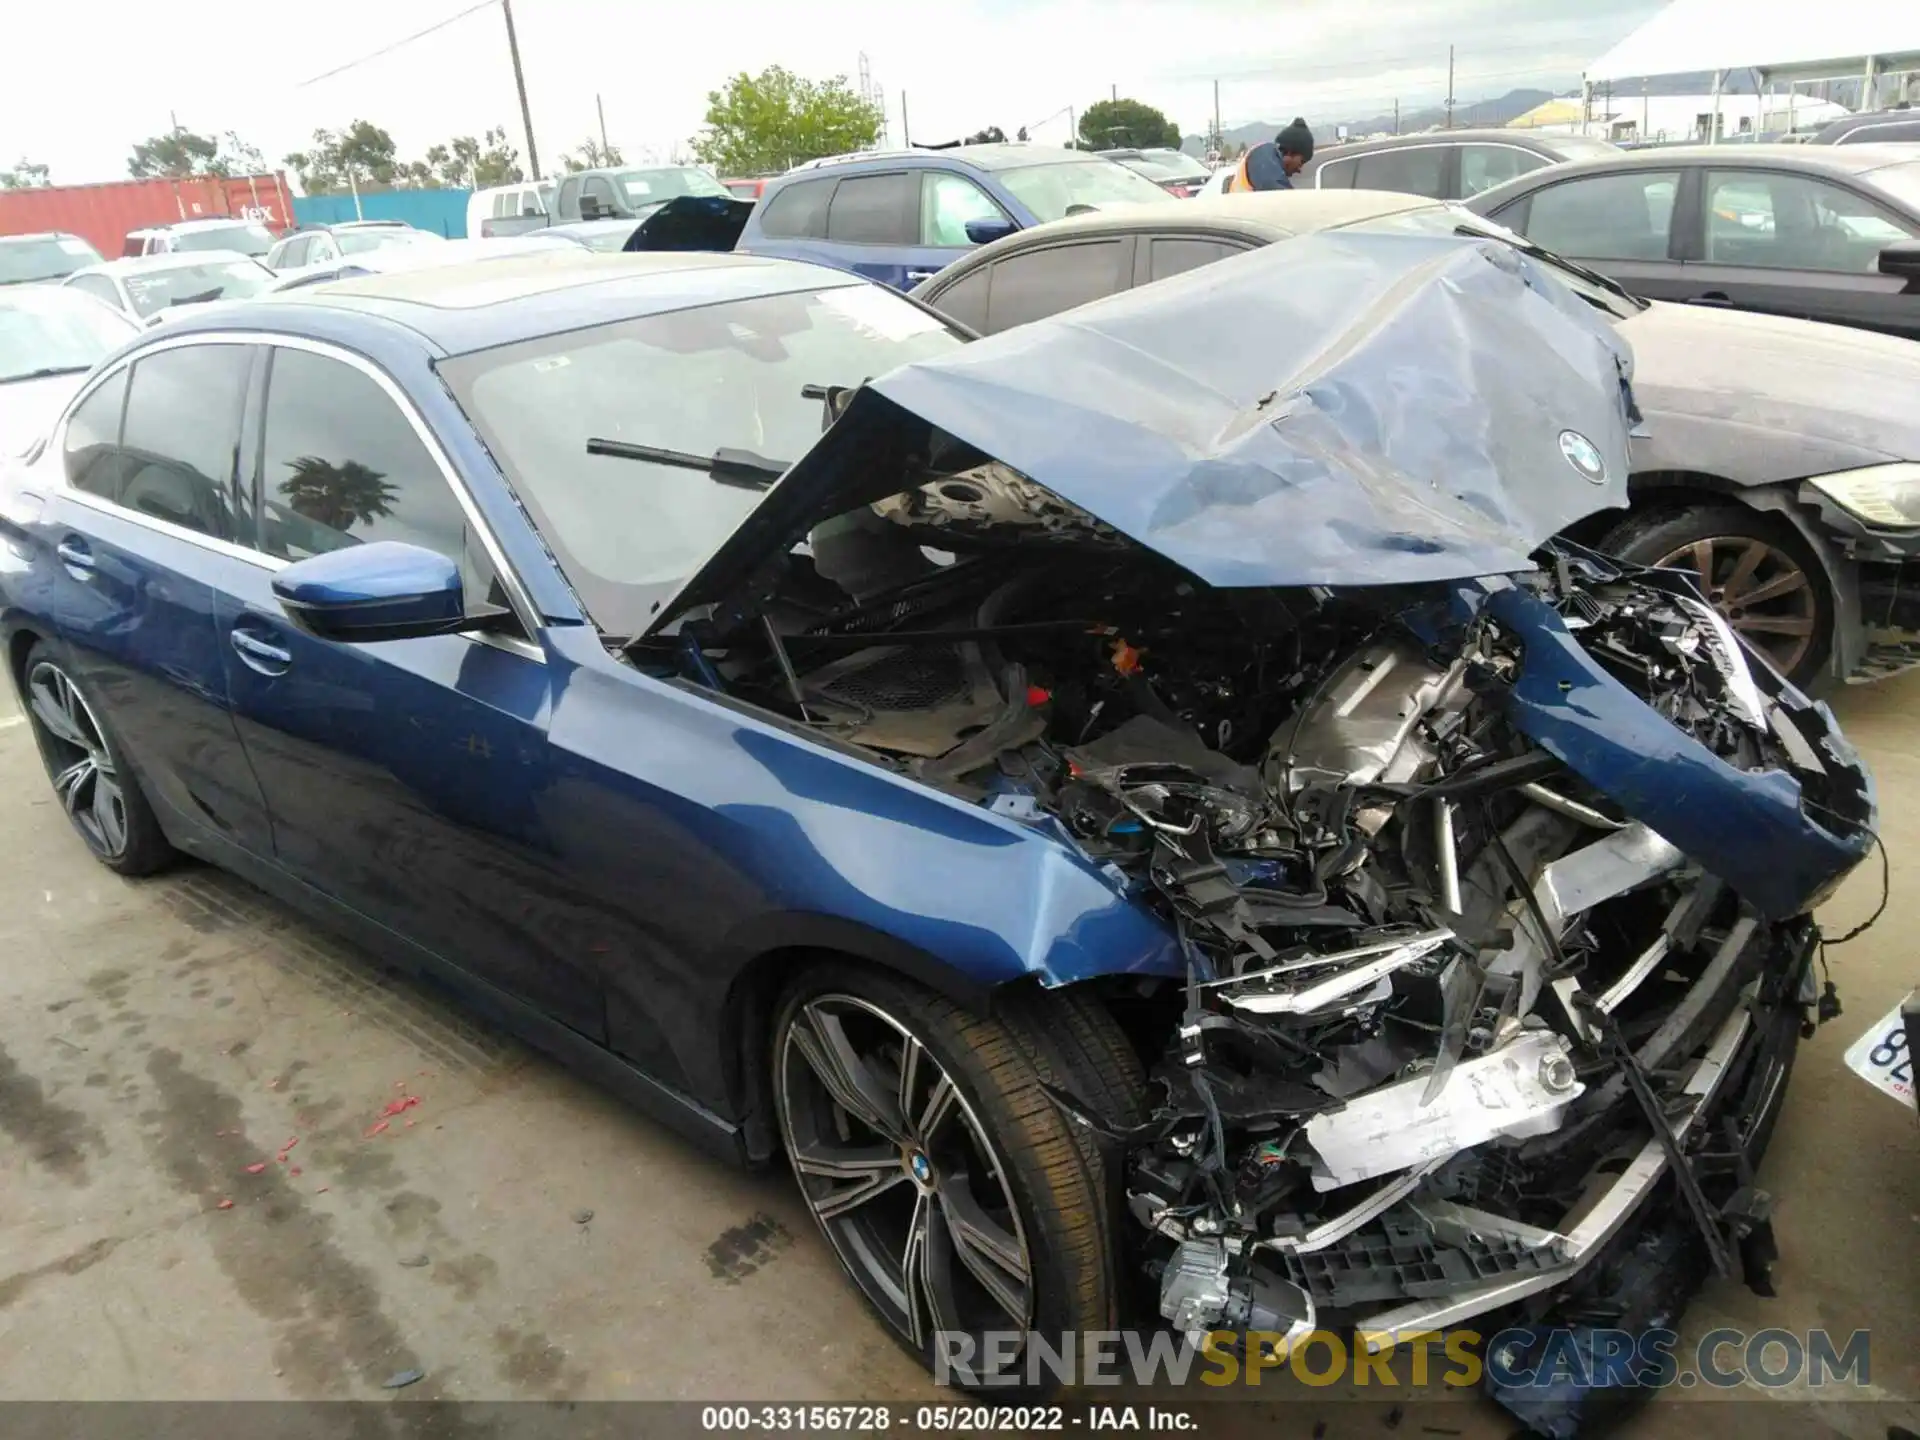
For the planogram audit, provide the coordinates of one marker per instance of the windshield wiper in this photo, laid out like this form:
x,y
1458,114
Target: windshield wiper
x,y
741,468
1527,247
200,299
46,372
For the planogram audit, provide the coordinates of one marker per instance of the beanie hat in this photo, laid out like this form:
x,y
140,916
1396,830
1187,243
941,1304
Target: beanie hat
x,y
1296,139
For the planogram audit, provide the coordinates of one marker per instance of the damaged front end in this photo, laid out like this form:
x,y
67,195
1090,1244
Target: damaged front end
x,y
1488,861
1461,1026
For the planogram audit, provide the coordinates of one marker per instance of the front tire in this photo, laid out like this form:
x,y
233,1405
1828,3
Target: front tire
x,y
958,1198
94,784
1754,568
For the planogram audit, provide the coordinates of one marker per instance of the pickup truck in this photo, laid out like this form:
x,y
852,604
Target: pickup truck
x,y
899,217
623,193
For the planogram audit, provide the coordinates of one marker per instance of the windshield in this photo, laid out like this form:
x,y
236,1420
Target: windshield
x,y
1053,191
243,239
357,242
1169,165
1900,181
628,532
46,330
154,290
650,187
43,257
1454,220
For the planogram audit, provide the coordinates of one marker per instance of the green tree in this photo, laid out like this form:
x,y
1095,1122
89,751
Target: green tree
x,y
1125,124
337,496
992,135
362,150
592,155
24,176
775,119
177,153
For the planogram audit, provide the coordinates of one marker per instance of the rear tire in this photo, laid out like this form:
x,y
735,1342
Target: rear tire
x,y
91,778
995,1215
1748,554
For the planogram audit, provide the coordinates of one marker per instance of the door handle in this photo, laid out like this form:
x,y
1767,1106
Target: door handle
x,y
261,655
914,277
75,555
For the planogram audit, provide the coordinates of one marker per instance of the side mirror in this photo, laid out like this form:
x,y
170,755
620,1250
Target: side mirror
x,y
1902,258
985,232
382,590
589,207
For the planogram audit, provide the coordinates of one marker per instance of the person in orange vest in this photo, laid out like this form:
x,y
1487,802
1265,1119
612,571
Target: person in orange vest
x,y
1272,165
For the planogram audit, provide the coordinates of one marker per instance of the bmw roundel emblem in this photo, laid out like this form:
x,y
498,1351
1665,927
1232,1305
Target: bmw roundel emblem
x,y
1584,456
922,1168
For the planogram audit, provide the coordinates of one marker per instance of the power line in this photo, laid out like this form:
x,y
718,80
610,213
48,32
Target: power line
x,y
389,49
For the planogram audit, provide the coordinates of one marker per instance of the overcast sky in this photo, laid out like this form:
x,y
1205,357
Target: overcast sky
x,y
76,101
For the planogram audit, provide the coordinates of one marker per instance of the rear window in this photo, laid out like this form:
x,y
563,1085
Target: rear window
x,y
876,210
43,257
155,290
797,211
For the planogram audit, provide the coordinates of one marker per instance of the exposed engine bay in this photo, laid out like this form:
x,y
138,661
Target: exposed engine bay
x,y
1458,1029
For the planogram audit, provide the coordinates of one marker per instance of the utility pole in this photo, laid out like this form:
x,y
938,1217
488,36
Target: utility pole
x,y
1113,92
520,84
906,130
597,105
1218,141
1449,82
1396,114
1073,131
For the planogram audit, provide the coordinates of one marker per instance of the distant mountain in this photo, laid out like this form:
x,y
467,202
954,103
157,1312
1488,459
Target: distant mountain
x,y
1509,106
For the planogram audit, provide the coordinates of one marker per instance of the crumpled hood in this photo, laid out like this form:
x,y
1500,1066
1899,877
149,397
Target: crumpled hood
x,y
1839,396
1345,409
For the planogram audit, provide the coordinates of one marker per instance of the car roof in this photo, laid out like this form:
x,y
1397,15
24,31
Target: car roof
x,y
39,235
1269,214
1847,159
1524,139
175,260
480,304
211,222
1011,156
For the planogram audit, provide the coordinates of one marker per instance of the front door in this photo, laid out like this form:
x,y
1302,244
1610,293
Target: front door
x,y
1788,244
1619,223
404,777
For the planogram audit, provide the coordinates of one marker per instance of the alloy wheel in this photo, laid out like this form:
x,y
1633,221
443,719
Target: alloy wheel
x,y
900,1174
78,760
1762,592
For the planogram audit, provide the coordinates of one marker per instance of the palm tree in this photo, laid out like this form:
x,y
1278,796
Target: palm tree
x,y
338,496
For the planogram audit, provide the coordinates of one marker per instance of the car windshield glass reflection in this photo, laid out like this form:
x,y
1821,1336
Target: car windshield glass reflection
x,y
745,377
43,257
154,290
48,332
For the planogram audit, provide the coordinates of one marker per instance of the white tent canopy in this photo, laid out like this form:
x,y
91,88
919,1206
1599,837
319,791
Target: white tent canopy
x,y
1839,39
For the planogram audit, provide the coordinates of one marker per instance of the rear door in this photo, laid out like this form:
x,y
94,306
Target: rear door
x,y
1793,244
1033,284
406,779
1157,257
126,557
873,229
1627,224
1425,169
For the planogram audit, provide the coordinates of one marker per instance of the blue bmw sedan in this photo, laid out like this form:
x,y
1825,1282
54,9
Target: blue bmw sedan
x,y
1139,804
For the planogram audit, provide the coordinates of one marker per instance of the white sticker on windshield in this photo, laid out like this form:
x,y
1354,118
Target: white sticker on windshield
x,y
879,312
76,247
551,362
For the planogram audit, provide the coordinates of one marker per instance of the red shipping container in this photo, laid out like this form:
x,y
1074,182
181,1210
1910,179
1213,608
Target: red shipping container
x,y
103,214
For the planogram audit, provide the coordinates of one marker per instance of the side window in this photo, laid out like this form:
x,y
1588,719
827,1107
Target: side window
x,y
875,210
341,465
600,188
182,436
947,203
530,203
1790,222
1484,166
965,299
1416,170
797,211
1039,283
93,439
321,249
1606,217
295,251
503,205
1336,174
1172,255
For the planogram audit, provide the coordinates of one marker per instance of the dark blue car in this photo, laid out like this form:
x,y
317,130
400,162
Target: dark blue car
x,y
1143,797
900,217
